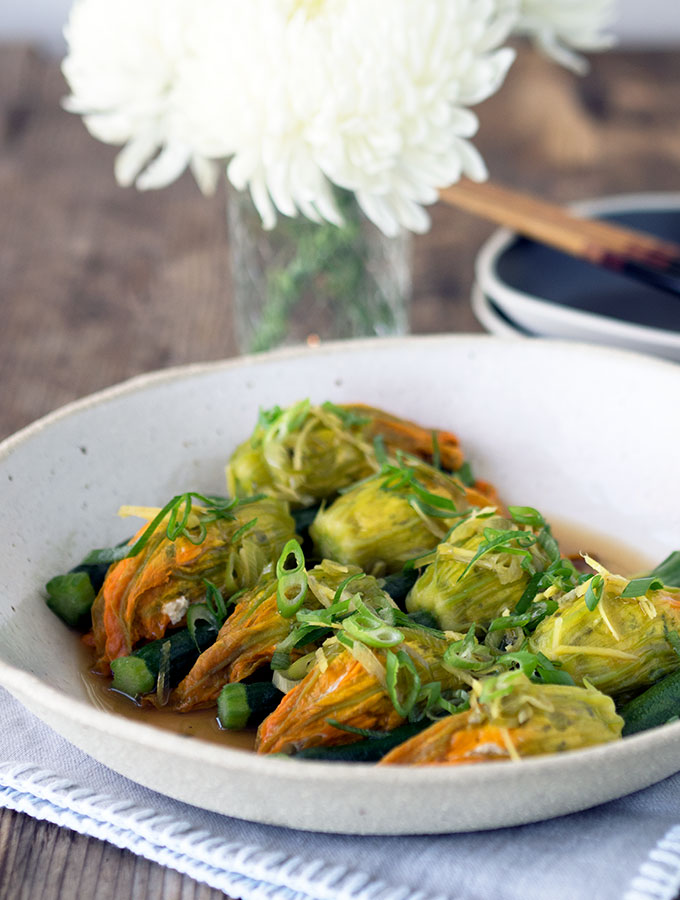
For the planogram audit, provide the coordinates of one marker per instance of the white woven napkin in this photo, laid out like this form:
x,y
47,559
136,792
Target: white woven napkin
x,y
626,849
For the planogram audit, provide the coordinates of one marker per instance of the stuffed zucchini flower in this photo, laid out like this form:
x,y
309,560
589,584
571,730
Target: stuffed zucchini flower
x,y
617,634
355,685
307,453
395,516
510,717
256,628
167,566
481,570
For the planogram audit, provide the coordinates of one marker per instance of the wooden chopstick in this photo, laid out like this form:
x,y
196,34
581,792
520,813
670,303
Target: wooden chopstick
x,y
624,250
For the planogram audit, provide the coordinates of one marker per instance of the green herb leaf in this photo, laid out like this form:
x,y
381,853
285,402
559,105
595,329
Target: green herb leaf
x,y
348,418
506,541
464,475
526,515
267,417
200,612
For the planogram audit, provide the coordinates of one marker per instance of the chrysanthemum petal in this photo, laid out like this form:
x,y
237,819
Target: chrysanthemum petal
x,y
133,157
165,168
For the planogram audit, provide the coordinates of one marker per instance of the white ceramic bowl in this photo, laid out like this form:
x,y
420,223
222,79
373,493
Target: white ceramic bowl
x,y
490,317
583,433
549,293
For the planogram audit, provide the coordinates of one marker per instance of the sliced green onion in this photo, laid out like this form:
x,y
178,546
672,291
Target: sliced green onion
x,y
669,570
638,587
361,732
432,500
365,626
594,591
403,681
200,612
432,704
530,591
292,582
549,544
420,618
290,593
467,654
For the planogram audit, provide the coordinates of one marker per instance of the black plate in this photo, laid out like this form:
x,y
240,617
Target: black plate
x,y
546,273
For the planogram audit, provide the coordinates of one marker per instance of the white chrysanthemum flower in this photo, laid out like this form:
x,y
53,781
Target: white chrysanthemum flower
x,y
558,27
123,64
370,95
296,95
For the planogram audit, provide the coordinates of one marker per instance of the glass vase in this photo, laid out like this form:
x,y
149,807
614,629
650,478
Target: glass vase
x,y
307,282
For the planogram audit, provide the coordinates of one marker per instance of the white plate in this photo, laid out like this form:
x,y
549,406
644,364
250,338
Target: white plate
x,y
580,432
538,315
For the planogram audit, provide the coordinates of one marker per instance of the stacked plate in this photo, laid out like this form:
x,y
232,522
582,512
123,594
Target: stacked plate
x,y
525,289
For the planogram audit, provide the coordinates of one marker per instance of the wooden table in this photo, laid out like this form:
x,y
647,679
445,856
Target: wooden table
x,y
99,283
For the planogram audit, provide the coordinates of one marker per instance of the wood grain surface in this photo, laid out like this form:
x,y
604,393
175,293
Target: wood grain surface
x,y
98,284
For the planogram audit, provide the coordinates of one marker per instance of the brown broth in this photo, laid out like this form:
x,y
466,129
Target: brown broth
x,y
201,723
612,554
573,539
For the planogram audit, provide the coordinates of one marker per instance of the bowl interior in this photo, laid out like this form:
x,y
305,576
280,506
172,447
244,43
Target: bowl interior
x,y
580,432
540,271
